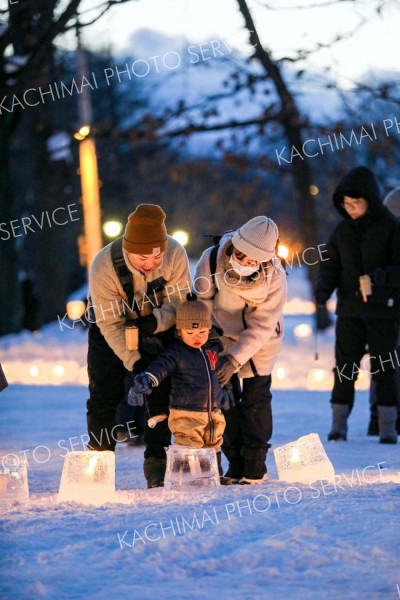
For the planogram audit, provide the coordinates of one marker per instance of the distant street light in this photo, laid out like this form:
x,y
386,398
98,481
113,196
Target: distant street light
x,y
75,309
90,198
181,236
92,241
283,251
82,132
112,229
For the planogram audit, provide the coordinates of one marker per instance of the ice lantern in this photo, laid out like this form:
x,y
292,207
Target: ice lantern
x,y
304,460
88,477
14,488
190,468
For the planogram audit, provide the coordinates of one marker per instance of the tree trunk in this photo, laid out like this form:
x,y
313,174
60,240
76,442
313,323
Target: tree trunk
x,y
292,124
10,297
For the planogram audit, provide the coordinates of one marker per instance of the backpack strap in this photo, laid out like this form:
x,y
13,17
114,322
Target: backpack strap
x,y
213,267
124,274
213,263
213,254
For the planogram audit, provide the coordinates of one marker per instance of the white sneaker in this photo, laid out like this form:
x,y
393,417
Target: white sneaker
x,y
248,481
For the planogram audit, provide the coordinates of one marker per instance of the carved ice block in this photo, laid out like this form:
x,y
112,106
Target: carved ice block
x,y
190,468
14,486
304,460
88,477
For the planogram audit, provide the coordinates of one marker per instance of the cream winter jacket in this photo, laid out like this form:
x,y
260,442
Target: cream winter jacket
x,y
110,303
249,312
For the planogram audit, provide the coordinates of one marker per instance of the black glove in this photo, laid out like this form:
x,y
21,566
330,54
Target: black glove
x,y
380,276
142,386
146,325
321,298
228,400
226,367
322,317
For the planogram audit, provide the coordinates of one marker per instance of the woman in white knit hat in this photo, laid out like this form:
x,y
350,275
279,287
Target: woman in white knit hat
x,y
246,291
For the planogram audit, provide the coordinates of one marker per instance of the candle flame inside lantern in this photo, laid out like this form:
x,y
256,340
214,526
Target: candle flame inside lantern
x,y
295,459
91,467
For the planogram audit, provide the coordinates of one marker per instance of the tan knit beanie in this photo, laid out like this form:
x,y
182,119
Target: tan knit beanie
x,y
257,238
145,232
192,314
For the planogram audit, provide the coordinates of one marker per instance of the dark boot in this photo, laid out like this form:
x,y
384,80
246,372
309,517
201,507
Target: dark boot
x,y
235,470
373,427
338,432
224,480
255,471
387,424
154,471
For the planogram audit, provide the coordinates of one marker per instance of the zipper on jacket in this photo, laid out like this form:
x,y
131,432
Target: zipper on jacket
x,y
209,398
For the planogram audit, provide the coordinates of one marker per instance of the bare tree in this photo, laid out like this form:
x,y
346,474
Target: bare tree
x,y
280,109
29,28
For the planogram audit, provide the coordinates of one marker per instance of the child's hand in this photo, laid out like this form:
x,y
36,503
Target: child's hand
x,y
142,386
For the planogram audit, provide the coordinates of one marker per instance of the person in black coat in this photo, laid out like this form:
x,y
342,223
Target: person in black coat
x,y
392,202
195,417
363,264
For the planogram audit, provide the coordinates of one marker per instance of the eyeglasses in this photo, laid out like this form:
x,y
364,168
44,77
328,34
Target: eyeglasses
x,y
240,256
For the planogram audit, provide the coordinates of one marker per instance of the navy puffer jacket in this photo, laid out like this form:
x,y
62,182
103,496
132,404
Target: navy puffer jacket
x,y
194,383
369,245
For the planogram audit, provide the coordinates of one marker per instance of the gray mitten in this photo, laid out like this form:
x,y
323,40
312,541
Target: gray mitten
x,y
226,367
142,386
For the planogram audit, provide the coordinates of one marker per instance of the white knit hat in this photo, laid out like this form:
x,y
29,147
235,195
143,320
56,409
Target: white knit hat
x,y
257,238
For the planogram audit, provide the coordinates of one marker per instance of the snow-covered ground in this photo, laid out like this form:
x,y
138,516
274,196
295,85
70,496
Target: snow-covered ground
x,y
272,541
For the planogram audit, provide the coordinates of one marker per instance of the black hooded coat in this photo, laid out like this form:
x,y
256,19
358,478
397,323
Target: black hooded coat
x,y
369,245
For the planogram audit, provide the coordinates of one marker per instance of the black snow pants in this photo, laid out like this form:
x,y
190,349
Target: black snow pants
x,y
249,425
106,388
353,337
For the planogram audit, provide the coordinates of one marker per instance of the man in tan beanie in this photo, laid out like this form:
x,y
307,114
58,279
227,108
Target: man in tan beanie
x,y
135,284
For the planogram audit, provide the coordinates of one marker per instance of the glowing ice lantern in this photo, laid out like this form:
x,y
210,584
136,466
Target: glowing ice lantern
x,y
190,468
280,373
33,371
302,330
304,460
319,379
14,487
88,478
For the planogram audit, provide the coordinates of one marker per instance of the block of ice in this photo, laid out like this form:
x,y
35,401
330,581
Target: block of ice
x,y
190,468
304,460
88,477
14,486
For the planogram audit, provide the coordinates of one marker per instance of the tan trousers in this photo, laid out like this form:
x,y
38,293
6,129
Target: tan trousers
x,y
191,428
